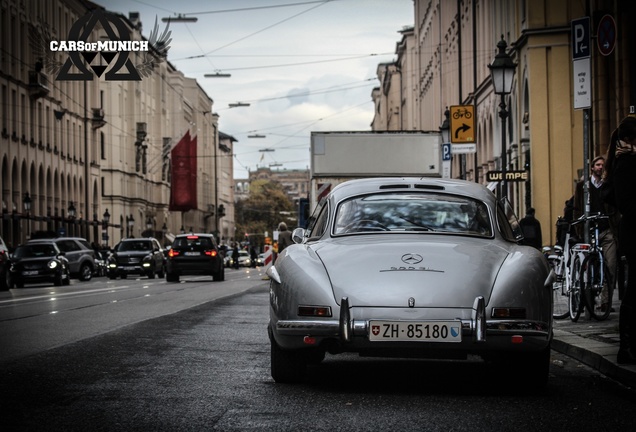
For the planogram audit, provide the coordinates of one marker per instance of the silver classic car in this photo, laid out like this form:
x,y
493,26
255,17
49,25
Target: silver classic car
x,y
411,267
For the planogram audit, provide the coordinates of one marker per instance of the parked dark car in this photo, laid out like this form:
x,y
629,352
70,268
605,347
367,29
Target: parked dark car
x,y
38,263
137,256
78,253
194,254
4,266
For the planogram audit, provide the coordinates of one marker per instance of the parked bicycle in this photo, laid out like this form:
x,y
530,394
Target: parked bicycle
x,y
597,284
566,262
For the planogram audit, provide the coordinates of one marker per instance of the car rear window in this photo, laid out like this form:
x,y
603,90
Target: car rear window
x,y
193,242
413,212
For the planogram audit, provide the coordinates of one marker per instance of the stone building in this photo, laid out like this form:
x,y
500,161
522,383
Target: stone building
x,y
445,60
92,156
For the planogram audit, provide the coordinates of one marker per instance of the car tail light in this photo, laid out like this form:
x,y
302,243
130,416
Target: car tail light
x,y
173,253
508,312
317,311
192,237
309,340
211,253
516,339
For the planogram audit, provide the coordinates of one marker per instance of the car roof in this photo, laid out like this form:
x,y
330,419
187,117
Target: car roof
x,y
138,239
413,184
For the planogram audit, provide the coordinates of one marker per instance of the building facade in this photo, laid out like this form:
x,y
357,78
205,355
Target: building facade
x,y
92,157
444,62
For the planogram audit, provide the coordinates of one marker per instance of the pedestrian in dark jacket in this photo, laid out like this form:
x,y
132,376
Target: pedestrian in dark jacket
x,y
621,176
531,228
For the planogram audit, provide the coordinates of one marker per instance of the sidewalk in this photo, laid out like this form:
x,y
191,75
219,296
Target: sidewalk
x,y
594,343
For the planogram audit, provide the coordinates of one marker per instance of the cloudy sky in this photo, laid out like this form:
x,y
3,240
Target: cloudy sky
x,y
302,65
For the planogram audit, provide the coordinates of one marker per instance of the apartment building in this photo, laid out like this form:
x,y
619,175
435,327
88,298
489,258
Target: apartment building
x,y
93,156
444,61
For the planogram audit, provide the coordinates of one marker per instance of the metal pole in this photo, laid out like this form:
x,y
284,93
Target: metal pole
x,y
586,172
504,115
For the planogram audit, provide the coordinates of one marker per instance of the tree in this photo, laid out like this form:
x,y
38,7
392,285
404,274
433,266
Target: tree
x,y
266,206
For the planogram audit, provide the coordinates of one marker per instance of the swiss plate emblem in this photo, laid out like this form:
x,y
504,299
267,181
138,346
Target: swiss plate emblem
x,y
375,329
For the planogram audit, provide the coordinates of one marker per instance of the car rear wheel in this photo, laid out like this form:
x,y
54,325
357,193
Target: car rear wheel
x,y
170,277
219,276
286,366
4,280
85,273
19,284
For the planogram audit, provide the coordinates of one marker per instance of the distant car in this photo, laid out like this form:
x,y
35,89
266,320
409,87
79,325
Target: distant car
x,y
38,262
411,267
194,254
244,259
136,256
78,252
4,266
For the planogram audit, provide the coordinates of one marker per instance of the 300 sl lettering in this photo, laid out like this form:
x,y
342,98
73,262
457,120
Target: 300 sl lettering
x,y
392,269
430,331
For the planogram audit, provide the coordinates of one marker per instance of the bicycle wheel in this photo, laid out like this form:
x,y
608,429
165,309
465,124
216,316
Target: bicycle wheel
x,y
575,301
560,301
597,288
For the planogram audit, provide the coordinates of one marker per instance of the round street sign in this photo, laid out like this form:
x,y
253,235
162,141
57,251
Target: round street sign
x,y
606,35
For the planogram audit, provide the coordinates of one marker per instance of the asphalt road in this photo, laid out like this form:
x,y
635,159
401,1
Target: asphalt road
x,y
206,367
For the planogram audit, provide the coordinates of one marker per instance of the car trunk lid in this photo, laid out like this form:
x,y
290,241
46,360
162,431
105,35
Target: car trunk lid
x,y
436,271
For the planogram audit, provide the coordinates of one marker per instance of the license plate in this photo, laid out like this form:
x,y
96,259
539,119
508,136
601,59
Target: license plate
x,y
428,331
192,253
128,268
29,272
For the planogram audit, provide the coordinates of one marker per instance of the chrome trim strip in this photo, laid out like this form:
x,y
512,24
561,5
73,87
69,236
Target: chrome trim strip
x,y
345,320
332,328
478,317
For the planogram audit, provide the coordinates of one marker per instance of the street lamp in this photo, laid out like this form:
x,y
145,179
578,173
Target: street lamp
x,y
105,220
71,217
27,208
131,225
445,127
502,71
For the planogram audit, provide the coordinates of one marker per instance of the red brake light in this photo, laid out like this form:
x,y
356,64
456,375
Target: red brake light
x,y
173,253
211,253
192,237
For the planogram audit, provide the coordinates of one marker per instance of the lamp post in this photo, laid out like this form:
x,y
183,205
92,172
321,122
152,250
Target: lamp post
x,y
445,127
131,226
502,72
71,217
27,209
105,220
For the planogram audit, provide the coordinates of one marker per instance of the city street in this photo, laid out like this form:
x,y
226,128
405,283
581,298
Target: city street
x,y
141,354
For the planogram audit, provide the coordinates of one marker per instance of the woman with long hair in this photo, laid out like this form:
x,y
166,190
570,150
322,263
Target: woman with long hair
x,y
621,174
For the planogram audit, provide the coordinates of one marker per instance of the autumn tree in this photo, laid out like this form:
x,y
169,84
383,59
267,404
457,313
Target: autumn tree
x,y
266,206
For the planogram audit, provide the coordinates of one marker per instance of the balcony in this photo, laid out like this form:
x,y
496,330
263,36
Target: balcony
x,y
38,85
97,121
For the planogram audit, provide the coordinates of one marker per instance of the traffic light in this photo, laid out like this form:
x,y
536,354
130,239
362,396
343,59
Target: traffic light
x,y
221,210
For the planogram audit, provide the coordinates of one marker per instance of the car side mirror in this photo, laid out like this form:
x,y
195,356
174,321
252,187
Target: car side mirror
x,y
298,235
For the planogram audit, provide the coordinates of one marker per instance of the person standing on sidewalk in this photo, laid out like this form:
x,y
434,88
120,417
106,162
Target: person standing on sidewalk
x,y
621,176
597,190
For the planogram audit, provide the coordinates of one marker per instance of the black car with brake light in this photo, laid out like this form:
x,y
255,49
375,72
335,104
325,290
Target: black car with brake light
x,y
194,254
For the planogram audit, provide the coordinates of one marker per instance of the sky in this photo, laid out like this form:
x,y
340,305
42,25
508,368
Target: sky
x,y
301,65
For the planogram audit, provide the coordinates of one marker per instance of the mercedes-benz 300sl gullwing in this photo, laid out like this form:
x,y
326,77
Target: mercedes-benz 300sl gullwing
x,y
411,267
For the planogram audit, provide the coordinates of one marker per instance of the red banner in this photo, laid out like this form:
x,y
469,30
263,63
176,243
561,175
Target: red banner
x,y
183,193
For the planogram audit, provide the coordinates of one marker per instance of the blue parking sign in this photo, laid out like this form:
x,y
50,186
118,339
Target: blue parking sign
x,y
446,151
